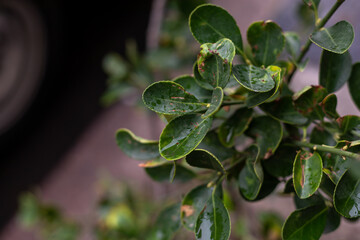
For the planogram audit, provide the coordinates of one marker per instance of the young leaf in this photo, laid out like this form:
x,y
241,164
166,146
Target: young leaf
x,y
268,133
307,173
266,40
136,147
168,97
292,43
213,222
182,135
255,98
328,105
335,70
307,101
224,48
190,86
354,84
253,78
337,38
209,23
251,176
212,144
281,163
192,204
234,126
283,110
204,159
346,197
216,101
166,172
167,223
313,4
215,71
349,127
306,223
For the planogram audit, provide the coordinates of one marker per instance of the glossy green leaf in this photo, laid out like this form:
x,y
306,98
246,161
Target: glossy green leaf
x,y
269,185
268,133
346,197
168,97
307,173
167,223
204,159
281,163
251,176
337,38
136,147
333,220
214,71
165,172
307,101
213,222
253,78
292,43
354,84
193,203
234,126
335,70
200,80
216,101
212,144
255,98
307,223
321,136
266,40
349,127
182,135
224,48
328,105
190,85
283,110
209,23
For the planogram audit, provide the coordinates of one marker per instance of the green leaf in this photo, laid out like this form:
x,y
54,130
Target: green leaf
x,y
255,98
346,197
268,133
281,163
167,223
307,101
212,144
168,97
200,80
337,38
182,135
333,220
283,110
234,126
266,40
307,173
213,222
335,70
192,204
268,186
292,43
315,199
307,223
115,66
209,23
136,147
214,71
190,85
224,48
349,127
321,136
204,159
328,105
354,84
251,176
165,172
216,101
253,78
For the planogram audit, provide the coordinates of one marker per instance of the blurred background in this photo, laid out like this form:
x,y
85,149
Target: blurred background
x,y
72,73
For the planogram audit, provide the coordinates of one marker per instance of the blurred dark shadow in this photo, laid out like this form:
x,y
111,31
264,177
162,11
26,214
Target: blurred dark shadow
x,y
78,35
